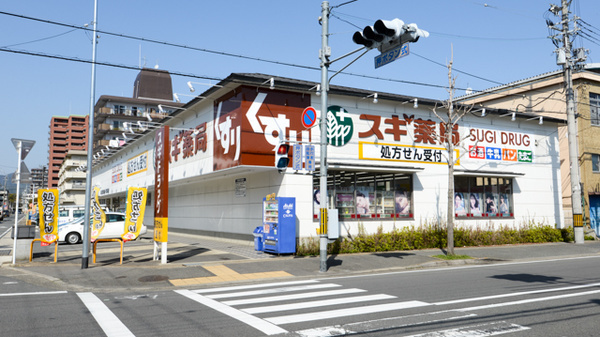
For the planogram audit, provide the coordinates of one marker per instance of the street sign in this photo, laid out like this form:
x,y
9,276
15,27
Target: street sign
x,y
309,117
297,160
391,55
309,155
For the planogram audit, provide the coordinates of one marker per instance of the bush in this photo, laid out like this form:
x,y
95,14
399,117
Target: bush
x,y
435,236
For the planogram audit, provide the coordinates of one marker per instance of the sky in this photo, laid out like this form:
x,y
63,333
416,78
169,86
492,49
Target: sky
x,y
491,43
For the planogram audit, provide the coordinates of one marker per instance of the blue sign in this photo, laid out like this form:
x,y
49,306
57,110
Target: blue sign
x,y
309,154
391,55
493,153
297,162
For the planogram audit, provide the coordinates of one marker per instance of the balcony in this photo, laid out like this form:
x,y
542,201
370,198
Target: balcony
x,y
104,112
102,142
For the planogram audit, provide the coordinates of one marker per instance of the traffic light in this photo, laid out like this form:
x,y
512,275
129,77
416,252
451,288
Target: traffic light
x,y
385,35
281,156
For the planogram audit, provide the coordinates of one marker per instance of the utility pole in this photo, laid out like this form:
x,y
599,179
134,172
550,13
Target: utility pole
x,y
90,145
565,58
324,55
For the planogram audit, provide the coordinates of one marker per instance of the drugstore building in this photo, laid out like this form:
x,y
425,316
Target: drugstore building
x,y
386,167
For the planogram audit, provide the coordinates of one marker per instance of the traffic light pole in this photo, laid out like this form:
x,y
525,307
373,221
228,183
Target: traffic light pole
x,y
324,55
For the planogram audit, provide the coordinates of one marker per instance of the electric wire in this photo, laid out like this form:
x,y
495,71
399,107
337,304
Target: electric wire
x,y
220,53
41,39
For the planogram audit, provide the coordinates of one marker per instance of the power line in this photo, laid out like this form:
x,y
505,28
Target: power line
x,y
122,66
42,39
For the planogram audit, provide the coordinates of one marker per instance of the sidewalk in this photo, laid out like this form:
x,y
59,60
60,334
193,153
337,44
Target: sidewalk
x,y
199,261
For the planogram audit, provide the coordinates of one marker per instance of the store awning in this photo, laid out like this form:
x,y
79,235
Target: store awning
x,y
482,173
379,168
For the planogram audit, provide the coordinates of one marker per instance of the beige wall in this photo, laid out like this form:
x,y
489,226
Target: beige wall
x,y
546,96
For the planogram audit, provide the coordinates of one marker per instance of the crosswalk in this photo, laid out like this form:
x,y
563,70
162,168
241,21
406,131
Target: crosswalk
x,y
302,301
320,308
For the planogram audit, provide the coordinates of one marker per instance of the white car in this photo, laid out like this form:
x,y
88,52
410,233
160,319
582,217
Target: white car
x,y
72,232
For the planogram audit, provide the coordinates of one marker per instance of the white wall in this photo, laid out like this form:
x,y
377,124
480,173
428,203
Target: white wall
x,y
200,199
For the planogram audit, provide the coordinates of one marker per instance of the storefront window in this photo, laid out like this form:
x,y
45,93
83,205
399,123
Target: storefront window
x,y
364,196
402,196
483,197
344,194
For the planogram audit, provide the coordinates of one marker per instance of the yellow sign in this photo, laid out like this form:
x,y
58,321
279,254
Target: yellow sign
x,y
134,218
161,229
137,164
48,205
98,216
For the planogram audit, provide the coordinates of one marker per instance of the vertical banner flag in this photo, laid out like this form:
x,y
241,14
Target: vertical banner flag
x,y
161,185
48,208
136,205
98,216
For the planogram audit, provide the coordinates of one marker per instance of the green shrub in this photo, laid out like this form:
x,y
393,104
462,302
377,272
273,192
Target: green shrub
x,y
435,236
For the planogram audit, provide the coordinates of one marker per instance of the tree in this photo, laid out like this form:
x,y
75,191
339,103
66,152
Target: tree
x,y
451,140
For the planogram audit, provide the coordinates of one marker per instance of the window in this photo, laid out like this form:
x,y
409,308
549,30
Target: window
x,y
365,195
119,109
596,163
483,197
594,109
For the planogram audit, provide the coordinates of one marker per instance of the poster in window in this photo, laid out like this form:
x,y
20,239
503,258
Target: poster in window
x,y
459,204
402,202
362,202
475,204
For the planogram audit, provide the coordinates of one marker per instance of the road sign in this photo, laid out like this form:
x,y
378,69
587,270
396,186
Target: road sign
x,y
391,55
309,156
309,117
297,160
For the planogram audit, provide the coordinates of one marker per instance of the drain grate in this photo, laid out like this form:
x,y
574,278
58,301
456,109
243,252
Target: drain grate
x,y
153,278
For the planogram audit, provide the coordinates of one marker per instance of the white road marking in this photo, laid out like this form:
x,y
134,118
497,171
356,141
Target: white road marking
x,y
274,290
532,300
294,296
34,293
313,316
481,330
316,304
109,322
491,297
255,322
445,269
253,286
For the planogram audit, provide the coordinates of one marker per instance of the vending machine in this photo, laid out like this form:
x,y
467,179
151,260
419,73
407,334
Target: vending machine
x,y
279,225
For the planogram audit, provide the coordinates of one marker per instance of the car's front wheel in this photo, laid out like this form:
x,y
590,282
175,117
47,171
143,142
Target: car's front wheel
x,y
72,238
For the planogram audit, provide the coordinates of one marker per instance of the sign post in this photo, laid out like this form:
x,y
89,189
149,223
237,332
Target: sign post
x,y
23,146
161,192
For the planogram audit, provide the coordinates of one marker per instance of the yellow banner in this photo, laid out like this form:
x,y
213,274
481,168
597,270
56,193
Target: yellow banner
x,y
134,218
48,208
161,229
98,216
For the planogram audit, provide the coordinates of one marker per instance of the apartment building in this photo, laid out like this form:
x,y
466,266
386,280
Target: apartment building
x,y
71,181
39,178
66,133
116,118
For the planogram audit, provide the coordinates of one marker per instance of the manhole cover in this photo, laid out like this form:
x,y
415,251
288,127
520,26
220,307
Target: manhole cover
x,y
153,278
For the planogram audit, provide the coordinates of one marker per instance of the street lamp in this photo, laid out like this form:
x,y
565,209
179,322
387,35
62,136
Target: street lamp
x,y
23,146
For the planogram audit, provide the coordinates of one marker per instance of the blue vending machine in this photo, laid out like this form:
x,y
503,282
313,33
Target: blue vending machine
x,y
279,225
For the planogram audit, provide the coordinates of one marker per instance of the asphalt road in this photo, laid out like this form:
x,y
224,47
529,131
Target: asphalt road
x,y
528,298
